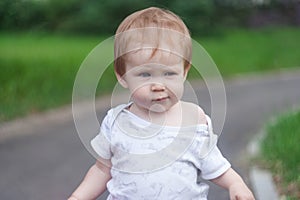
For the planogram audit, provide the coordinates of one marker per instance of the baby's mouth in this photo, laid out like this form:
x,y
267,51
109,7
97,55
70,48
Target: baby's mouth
x,y
161,99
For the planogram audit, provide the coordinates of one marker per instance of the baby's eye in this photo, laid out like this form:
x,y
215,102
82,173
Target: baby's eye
x,y
144,74
170,73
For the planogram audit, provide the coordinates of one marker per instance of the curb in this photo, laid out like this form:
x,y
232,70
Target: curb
x,y
262,184
261,180
35,123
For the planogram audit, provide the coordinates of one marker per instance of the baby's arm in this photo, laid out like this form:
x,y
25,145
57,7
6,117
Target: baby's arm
x,y
235,184
94,183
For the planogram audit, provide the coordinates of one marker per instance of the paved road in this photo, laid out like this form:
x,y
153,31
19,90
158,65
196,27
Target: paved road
x,y
50,163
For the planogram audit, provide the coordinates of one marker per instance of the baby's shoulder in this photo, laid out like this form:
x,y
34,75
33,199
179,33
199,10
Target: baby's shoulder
x,y
194,112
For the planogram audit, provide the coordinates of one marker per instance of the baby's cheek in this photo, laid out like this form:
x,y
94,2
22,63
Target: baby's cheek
x,y
140,94
176,90
137,87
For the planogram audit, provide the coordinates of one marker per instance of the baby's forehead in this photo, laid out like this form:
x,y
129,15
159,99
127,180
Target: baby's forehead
x,y
139,41
153,56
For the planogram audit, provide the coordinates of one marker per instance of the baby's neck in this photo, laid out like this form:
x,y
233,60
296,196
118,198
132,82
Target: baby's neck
x,y
170,117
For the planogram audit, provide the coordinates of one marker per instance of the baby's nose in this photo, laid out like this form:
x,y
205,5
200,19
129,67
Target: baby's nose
x,y
156,87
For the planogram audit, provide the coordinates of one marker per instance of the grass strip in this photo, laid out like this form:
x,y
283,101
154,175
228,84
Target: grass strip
x,y
281,153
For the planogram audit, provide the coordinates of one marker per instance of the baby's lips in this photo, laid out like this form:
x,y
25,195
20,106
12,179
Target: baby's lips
x,y
161,98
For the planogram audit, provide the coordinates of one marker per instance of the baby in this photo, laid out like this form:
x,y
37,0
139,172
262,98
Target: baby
x,y
155,146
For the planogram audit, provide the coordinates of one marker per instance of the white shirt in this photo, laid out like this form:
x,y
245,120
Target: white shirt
x,y
157,162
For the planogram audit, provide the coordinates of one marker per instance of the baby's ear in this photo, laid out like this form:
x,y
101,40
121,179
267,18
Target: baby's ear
x,y
122,81
186,71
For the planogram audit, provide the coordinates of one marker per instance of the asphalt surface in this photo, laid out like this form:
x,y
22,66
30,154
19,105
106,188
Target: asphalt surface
x,y
48,160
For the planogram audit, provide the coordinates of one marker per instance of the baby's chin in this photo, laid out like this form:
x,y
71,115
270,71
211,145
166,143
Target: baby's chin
x,y
158,108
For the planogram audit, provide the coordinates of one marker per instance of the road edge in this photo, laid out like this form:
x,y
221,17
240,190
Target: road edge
x,y
29,124
261,179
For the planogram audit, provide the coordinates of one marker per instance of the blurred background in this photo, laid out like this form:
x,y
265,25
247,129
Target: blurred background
x,y
103,17
44,42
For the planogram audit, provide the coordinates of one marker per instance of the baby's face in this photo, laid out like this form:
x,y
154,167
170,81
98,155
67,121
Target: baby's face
x,y
155,84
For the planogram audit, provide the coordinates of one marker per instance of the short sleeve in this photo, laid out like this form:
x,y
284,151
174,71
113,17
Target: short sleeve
x,y
101,143
214,164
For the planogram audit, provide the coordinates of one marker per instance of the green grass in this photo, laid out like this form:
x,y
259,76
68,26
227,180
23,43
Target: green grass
x,y
242,51
38,69
281,152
